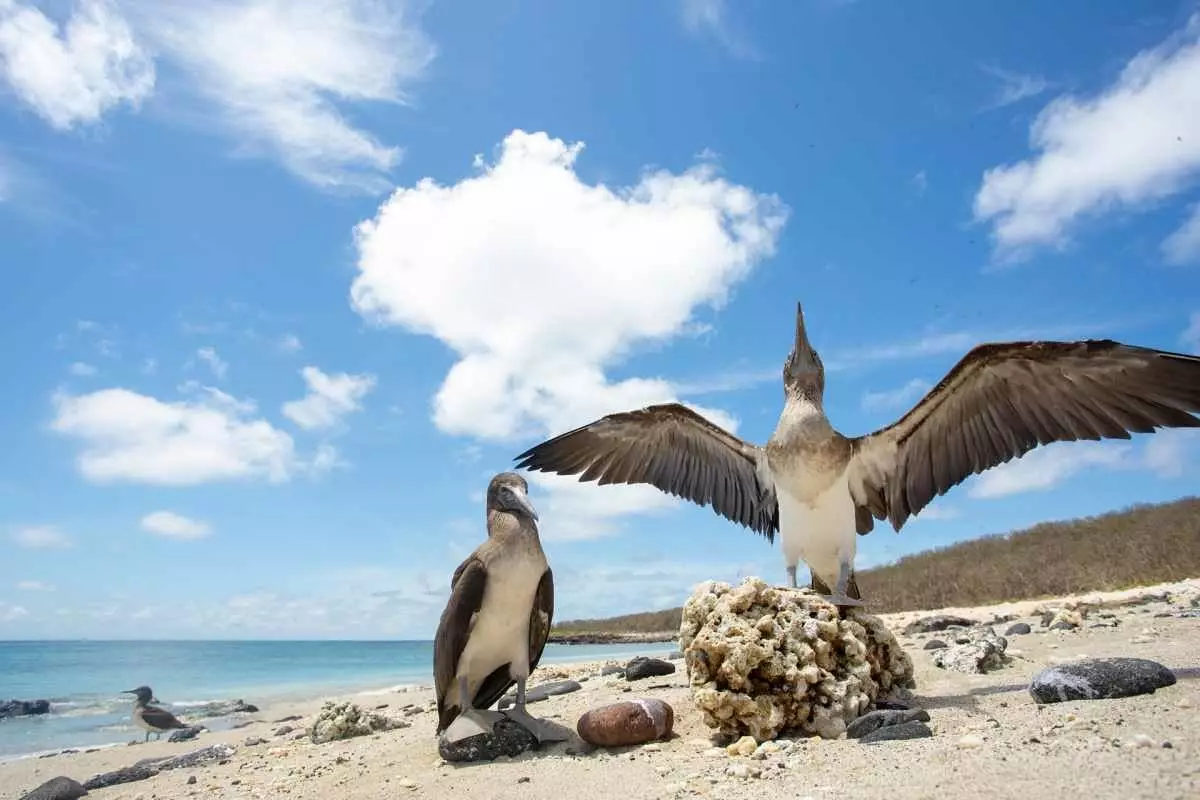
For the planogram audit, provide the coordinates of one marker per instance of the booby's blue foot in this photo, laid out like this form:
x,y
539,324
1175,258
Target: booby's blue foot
x,y
542,730
841,600
471,722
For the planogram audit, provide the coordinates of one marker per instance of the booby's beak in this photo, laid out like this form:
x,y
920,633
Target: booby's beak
x,y
129,691
517,500
801,346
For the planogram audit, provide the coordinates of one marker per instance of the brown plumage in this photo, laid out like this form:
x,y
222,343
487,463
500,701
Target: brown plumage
x,y
997,403
509,561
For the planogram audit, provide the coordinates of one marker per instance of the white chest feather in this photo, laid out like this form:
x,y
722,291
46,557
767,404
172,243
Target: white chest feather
x,y
817,526
500,633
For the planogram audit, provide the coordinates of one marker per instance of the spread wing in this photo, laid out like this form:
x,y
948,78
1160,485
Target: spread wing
x,y
160,718
1002,400
674,449
466,598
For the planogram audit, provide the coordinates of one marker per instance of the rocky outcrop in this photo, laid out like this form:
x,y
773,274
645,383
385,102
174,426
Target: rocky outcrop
x,y
764,659
24,708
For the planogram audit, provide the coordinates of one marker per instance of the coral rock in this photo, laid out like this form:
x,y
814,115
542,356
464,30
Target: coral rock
x,y
626,723
346,720
981,651
762,659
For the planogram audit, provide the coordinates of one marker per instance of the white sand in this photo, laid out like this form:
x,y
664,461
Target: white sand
x,y
983,725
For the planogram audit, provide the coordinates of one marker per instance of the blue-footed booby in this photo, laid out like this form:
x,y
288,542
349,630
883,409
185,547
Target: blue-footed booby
x,y
151,719
497,620
818,487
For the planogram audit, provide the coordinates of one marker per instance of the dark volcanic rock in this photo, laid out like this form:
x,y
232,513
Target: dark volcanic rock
x,y
138,772
185,734
1062,625
626,723
24,708
642,667
540,692
224,708
938,622
935,644
506,739
1099,679
611,670
874,720
1018,629
905,730
60,788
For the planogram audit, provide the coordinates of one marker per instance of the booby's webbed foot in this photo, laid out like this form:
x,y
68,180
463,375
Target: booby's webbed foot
x,y
471,722
542,730
840,596
842,600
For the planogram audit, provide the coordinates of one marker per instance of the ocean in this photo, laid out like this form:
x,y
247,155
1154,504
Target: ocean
x,y
83,680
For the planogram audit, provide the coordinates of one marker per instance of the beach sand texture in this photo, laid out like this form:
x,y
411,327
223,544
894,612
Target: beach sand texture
x,y
990,738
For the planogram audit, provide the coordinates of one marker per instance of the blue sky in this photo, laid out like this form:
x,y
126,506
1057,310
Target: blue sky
x,y
288,282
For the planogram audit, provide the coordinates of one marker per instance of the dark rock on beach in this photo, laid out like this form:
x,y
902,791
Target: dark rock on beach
x,y
540,692
874,720
642,667
506,739
937,622
626,723
1019,629
60,788
137,772
1099,679
24,708
935,644
186,734
905,730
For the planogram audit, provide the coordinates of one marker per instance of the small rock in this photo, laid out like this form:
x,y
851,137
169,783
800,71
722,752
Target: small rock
x,y
185,734
1062,625
626,723
642,667
60,788
540,693
284,730
1018,629
292,718
743,770
970,742
191,781
905,730
935,644
983,651
744,746
24,708
1140,740
937,622
137,772
1099,678
254,741
611,670
506,739
874,720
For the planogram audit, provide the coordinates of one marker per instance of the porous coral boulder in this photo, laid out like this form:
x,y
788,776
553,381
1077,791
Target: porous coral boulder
x,y
347,720
765,659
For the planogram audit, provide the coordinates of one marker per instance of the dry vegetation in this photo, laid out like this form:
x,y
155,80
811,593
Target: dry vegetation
x,y
1140,545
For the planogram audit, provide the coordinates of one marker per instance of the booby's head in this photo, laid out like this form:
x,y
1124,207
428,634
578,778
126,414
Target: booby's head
x,y
803,372
509,492
144,694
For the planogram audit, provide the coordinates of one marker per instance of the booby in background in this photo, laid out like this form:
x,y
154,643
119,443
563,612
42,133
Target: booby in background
x,y
496,622
818,487
151,719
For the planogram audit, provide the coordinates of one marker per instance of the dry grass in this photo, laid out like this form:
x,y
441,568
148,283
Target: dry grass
x,y
1140,545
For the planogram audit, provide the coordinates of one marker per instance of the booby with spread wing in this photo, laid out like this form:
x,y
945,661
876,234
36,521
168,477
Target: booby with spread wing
x,y
818,487
497,620
151,719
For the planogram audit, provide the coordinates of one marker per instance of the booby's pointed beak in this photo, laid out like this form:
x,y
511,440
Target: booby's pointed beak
x,y
801,346
129,691
520,501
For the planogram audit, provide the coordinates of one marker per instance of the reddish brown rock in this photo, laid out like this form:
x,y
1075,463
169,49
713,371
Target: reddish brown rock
x,y
630,722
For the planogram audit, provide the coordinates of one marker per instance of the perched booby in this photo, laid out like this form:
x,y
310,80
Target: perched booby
x,y
151,719
497,620
818,487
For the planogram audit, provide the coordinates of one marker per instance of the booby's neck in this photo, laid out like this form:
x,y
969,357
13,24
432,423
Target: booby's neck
x,y
802,419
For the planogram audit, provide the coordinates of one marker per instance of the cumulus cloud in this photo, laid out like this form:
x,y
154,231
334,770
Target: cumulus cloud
x,y
1129,145
41,537
540,282
901,397
329,398
170,525
209,356
72,74
1183,246
211,436
276,71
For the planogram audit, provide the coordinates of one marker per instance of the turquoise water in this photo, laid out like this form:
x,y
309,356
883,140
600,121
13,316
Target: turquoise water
x,y
83,680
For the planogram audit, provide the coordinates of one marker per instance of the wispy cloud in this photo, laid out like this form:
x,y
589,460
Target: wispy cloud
x,y
329,399
34,586
1191,335
711,17
81,370
209,356
41,537
290,343
1013,86
170,525
920,182
1183,245
897,398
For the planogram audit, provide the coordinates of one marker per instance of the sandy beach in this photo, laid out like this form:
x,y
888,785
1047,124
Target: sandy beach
x,y
990,737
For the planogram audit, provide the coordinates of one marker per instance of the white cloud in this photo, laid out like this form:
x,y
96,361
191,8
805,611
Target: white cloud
x,y
920,182
276,70
900,398
41,537
170,525
1183,246
74,75
1046,467
209,356
82,370
712,17
12,613
938,512
135,438
1168,453
329,398
34,586
1014,86
1191,336
539,281
290,343
574,511
1132,144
